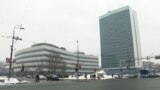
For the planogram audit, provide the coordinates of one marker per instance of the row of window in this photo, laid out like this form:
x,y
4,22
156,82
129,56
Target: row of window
x,y
52,67
48,54
52,50
47,63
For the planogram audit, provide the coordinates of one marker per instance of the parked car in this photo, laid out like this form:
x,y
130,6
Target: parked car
x,y
42,77
52,77
29,76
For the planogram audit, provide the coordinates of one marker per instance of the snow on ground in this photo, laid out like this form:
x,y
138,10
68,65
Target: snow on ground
x,y
102,73
88,77
4,80
107,77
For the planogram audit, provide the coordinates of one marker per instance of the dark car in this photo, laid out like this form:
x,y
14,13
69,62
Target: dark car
x,y
52,77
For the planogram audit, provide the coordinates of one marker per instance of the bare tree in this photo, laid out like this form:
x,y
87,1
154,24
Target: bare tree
x,y
63,68
56,63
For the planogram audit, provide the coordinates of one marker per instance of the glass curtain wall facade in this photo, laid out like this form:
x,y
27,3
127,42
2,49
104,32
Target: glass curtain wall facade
x,y
47,58
120,45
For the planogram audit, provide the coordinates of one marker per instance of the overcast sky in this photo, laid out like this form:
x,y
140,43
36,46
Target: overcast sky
x,y
62,22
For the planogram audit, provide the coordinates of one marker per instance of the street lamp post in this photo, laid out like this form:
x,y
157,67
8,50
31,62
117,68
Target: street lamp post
x,y
11,54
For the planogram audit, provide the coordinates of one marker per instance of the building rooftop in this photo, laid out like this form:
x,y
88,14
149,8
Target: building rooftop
x,y
40,44
114,11
51,45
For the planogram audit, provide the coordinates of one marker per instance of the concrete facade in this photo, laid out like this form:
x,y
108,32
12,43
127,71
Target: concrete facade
x,y
48,58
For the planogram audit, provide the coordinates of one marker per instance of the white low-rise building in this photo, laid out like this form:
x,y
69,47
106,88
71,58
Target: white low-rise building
x,y
48,58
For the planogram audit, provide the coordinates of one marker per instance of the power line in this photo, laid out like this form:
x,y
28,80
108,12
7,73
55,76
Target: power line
x,y
20,40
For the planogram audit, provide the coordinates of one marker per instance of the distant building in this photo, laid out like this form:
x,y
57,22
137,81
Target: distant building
x,y
119,36
3,69
47,58
148,64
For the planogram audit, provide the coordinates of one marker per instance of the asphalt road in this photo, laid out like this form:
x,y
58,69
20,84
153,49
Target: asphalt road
x,y
116,84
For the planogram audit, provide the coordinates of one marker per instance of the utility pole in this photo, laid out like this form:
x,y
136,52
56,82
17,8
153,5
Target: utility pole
x,y
12,45
77,60
128,61
121,68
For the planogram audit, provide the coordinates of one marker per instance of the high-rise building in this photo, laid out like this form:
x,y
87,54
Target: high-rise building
x,y
120,43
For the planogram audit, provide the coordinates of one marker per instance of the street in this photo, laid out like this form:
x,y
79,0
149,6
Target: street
x,y
112,84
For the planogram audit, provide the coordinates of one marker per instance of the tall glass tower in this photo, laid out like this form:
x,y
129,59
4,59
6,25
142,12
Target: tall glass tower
x,y
120,44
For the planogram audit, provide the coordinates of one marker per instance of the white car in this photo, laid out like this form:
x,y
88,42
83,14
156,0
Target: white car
x,y
42,77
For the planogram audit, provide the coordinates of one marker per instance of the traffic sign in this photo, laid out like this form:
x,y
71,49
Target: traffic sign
x,y
78,66
157,57
8,60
